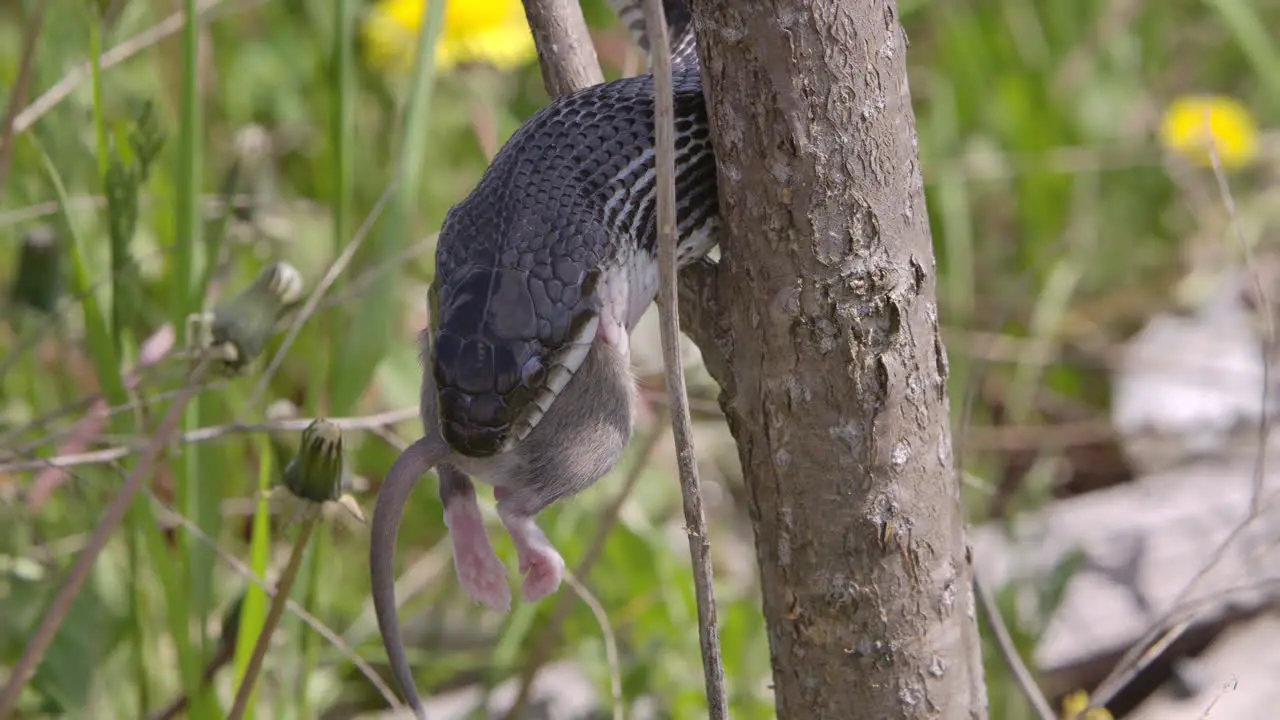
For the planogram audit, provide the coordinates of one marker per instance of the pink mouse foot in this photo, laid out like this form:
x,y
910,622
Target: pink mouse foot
x,y
541,563
543,570
482,575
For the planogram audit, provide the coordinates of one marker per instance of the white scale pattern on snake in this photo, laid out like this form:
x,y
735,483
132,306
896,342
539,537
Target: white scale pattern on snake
x,y
558,243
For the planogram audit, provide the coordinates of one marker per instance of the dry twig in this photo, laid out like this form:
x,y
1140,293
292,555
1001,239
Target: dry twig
x,y
206,434
313,301
1165,631
116,55
565,53
1026,683
52,619
610,642
668,309
240,568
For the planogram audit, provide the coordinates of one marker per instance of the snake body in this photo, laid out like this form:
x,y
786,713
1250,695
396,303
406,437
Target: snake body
x,y
556,245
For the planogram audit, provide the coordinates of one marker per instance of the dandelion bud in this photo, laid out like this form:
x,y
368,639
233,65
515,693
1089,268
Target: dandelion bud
x,y
241,327
39,280
316,473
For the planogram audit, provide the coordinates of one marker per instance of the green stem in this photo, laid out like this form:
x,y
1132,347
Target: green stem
x,y
99,119
192,602
255,600
187,227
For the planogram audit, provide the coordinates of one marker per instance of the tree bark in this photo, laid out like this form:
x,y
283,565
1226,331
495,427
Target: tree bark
x,y
832,368
565,53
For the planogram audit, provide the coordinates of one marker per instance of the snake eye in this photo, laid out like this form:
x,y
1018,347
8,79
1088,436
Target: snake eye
x,y
534,373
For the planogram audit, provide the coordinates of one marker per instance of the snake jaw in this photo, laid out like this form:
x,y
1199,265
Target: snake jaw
x,y
555,380
504,351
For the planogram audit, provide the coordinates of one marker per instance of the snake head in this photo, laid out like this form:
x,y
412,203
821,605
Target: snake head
x,y
509,340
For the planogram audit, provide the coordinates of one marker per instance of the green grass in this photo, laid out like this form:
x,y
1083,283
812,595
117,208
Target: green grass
x,y
1056,227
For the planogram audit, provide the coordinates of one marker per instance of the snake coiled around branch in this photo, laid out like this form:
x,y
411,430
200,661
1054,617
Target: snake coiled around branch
x,y
557,244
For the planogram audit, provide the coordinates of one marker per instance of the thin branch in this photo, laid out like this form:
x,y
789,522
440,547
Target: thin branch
x,y
154,349
423,573
610,642
214,432
330,277
668,309
274,613
1167,627
116,55
79,407
1156,641
52,619
239,567
565,53
1030,690
1268,321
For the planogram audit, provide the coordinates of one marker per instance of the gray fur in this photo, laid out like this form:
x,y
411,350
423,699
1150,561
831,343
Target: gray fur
x,y
581,438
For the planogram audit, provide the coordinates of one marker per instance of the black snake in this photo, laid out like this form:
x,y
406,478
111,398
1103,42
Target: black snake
x,y
557,244
554,250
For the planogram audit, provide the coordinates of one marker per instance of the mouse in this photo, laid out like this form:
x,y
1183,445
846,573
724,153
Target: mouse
x,y
580,438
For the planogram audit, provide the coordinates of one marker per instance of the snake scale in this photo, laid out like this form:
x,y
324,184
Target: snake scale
x,y
557,243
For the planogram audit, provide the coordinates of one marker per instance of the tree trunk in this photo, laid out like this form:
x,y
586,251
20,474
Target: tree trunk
x,y
832,367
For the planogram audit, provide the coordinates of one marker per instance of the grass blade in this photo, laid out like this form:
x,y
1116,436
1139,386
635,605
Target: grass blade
x,y
366,343
254,611
100,345
193,496
1254,40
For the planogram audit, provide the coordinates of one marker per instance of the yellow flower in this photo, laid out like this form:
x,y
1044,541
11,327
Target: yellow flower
x,y
480,31
1075,707
1193,124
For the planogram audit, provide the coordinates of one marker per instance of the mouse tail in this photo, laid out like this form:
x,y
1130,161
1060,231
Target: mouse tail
x,y
412,464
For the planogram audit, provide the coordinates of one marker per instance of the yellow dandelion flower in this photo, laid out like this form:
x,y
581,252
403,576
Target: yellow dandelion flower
x,y
478,31
1193,124
1075,706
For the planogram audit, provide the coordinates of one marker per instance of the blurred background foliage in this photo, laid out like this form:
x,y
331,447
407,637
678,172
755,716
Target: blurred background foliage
x,y
1062,149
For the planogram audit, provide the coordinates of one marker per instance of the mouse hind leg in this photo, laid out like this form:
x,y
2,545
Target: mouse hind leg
x,y
482,575
540,562
579,440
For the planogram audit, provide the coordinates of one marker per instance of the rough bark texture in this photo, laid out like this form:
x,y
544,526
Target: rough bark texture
x,y
565,53
833,371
